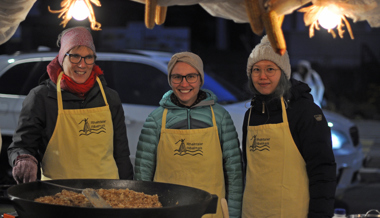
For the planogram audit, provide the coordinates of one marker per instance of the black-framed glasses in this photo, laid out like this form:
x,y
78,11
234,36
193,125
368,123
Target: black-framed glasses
x,y
76,58
269,72
190,78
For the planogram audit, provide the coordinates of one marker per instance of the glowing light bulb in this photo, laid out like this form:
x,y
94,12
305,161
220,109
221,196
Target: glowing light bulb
x,y
328,19
79,11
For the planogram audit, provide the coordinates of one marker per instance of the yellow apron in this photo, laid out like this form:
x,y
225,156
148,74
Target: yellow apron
x,y
191,157
82,143
277,185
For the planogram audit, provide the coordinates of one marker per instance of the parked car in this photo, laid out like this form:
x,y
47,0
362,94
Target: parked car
x,y
140,78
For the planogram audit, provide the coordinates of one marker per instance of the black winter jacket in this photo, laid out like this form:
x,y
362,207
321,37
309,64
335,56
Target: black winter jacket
x,y
39,115
313,140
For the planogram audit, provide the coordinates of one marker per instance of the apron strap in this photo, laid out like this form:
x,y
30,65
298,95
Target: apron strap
x,y
284,116
102,90
59,92
163,121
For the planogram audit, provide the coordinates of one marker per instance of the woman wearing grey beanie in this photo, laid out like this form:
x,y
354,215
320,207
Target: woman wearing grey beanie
x,y
289,163
190,139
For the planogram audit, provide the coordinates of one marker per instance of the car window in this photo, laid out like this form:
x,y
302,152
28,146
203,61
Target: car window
x,y
136,83
21,78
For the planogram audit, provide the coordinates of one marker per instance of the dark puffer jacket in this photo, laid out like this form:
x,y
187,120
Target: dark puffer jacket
x,y
39,116
313,140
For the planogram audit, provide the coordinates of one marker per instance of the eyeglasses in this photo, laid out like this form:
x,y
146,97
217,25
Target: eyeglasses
x,y
76,58
269,72
190,78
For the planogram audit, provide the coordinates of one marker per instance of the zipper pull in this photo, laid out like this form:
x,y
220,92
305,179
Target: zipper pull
x,y
263,110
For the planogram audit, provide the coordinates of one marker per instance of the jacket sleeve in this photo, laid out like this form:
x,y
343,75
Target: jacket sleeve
x,y
232,163
316,149
27,138
121,151
145,164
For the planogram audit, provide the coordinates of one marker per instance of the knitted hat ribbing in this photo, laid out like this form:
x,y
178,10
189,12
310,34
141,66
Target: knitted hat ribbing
x,y
189,58
264,51
72,37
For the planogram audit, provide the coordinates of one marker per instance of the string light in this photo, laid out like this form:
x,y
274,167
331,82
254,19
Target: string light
x,y
68,7
322,15
79,11
328,20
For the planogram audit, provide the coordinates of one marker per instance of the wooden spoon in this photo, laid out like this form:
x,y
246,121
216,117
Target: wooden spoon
x,y
95,199
224,208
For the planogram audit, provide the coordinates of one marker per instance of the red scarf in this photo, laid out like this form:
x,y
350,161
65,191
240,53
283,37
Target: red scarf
x,y
54,69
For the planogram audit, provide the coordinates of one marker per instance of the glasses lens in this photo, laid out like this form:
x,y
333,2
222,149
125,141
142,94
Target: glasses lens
x,y
191,78
89,59
268,72
176,78
74,58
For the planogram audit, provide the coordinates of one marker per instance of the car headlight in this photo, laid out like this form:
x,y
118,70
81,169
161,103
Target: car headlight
x,y
338,139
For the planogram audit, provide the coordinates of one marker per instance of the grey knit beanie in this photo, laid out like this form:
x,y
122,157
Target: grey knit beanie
x,y
189,58
264,51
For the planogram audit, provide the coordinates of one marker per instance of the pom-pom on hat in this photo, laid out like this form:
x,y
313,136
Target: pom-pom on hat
x,y
264,51
72,37
189,58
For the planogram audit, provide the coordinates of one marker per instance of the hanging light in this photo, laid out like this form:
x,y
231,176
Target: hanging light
x,y
328,19
80,10
316,16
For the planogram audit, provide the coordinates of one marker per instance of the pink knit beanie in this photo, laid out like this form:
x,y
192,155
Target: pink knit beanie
x,y
72,37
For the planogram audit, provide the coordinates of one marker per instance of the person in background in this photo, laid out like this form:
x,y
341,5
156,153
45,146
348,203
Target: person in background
x,y
309,76
190,139
290,167
71,124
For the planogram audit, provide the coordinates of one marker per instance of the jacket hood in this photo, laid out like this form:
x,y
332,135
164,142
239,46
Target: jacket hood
x,y
210,100
298,90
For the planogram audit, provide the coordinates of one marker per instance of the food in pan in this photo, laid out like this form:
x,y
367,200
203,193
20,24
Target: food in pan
x,y
117,198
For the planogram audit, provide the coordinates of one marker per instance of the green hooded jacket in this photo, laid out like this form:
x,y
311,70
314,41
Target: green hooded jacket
x,y
196,117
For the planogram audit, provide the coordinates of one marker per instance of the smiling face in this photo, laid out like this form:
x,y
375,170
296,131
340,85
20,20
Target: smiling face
x,y
263,83
81,71
186,92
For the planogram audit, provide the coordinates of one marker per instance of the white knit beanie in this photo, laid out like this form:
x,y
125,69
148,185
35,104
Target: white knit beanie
x,y
264,51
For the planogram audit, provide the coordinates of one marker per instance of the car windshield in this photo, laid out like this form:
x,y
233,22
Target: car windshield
x,y
226,92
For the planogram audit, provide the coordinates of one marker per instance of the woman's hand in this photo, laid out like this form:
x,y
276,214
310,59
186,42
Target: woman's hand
x,y
25,169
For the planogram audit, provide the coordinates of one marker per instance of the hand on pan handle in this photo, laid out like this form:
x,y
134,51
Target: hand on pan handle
x,y
25,169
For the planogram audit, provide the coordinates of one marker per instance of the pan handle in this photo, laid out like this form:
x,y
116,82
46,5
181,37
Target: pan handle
x,y
212,206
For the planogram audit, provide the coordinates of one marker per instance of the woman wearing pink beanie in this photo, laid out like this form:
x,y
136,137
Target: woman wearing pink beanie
x,y
71,125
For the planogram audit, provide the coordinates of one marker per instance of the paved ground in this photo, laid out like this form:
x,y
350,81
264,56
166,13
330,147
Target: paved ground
x,y
366,195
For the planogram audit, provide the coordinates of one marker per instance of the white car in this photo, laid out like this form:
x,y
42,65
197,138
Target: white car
x,y
140,78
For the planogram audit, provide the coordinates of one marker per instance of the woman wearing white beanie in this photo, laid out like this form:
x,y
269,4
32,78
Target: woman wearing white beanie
x,y
289,163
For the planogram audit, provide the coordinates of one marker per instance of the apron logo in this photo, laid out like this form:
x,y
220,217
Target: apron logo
x,y
188,149
95,127
259,144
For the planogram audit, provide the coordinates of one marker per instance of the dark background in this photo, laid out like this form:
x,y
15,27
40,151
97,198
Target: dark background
x,y
349,68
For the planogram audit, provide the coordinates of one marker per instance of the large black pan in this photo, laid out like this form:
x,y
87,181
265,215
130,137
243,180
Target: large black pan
x,y
177,200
